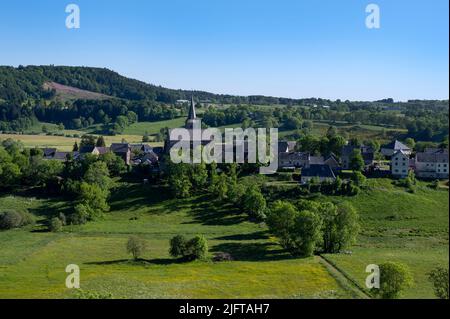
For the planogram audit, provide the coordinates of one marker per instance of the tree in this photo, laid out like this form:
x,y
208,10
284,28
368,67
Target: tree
x,y
55,225
281,220
305,233
146,137
177,246
87,141
100,142
394,278
356,160
180,186
197,248
75,147
255,204
116,165
9,174
220,188
439,278
410,142
136,246
347,227
358,178
199,176
98,174
94,200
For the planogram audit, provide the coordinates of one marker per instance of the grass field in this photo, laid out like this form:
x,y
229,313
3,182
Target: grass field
x,y
33,261
397,226
63,143
153,127
400,226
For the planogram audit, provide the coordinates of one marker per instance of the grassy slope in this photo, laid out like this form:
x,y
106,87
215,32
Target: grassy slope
x,y
403,227
414,230
33,263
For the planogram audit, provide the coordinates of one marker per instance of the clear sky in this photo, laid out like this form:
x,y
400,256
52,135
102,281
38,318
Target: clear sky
x,y
289,48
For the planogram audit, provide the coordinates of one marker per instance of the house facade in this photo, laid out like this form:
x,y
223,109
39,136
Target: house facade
x,y
400,164
432,163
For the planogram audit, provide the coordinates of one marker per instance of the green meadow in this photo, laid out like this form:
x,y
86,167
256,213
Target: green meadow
x,y
33,261
396,226
399,226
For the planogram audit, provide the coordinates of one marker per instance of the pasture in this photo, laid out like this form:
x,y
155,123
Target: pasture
x,y
33,260
396,226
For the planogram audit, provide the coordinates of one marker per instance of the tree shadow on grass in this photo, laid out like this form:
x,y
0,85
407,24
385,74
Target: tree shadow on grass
x,y
140,261
207,211
253,251
137,195
259,235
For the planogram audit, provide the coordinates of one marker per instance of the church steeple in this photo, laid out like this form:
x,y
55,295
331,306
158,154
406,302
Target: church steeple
x,y
192,117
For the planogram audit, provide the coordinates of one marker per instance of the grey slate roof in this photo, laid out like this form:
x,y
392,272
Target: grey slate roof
x,y
286,146
396,146
86,149
439,156
318,170
48,152
120,147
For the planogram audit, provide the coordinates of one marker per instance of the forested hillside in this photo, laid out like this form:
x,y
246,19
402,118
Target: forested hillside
x,y
101,96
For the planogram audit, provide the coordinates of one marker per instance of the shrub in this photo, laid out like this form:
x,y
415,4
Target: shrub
x,y
10,220
195,248
177,246
136,246
255,204
394,278
439,279
63,219
80,215
55,225
14,219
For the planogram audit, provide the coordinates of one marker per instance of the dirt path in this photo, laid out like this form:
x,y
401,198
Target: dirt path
x,y
343,279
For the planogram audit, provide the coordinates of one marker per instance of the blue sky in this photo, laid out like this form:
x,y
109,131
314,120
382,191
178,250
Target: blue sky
x,y
289,48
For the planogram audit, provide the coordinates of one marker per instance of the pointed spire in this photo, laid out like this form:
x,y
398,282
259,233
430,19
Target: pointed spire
x,y
192,115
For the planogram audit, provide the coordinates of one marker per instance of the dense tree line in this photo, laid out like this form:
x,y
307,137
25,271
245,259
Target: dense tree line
x,y
23,97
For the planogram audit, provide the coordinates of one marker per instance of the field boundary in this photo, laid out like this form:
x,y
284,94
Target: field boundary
x,y
344,279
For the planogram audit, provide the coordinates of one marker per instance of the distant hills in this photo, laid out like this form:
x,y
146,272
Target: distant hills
x,y
22,83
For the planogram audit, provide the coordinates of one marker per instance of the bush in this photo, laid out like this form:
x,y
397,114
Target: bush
x,y
15,219
136,246
63,219
55,225
177,246
439,279
195,248
394,278
80,215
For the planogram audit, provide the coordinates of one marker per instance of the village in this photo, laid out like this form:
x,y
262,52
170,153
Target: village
x,y
394,160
